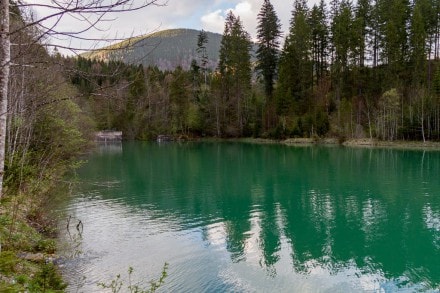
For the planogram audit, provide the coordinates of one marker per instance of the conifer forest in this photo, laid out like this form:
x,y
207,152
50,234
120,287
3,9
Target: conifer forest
x,y
344,70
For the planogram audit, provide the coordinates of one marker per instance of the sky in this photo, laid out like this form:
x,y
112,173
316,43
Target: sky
x,y
195,14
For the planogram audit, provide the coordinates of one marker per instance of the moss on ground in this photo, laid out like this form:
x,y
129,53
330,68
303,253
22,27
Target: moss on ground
x,y
28,243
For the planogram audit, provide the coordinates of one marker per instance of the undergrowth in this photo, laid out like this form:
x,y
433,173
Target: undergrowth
x,y
28,242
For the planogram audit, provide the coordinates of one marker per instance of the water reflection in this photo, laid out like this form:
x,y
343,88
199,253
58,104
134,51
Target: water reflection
x,y
318,219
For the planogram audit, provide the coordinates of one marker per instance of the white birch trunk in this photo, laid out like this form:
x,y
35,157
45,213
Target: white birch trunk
x,y
5,57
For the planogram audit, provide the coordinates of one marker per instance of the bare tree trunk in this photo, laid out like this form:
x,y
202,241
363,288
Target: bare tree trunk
x,y
5,58
423,119
369,124
438,122
217,118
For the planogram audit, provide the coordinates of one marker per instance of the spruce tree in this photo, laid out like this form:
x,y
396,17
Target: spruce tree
x,y
202,40
268,33
361,24
235,74
295,63
319,35
394,17
418,38
341,28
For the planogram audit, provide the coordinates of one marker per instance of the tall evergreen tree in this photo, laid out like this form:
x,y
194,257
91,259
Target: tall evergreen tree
x,y
202,40
235,73
375,35
295,63
360,31
268,34
342,24
179,96
319,34
394,20
418,37
436,29
430,17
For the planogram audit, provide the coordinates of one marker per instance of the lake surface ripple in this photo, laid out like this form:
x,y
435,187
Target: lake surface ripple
x,y
236,217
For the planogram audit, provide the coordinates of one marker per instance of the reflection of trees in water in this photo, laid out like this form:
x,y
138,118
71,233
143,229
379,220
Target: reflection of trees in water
x,y
432,222
333,206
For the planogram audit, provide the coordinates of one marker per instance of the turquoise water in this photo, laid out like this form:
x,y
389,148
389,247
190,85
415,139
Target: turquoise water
x,y
236,217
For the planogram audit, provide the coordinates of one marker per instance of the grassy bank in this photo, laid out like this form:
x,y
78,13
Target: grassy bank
x,y
32,173
28,239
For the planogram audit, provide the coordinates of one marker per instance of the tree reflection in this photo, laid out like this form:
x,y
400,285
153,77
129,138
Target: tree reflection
x,y
330,207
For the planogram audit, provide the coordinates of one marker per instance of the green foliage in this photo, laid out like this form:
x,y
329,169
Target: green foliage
x,y
46,245
179,95
202,41
319,39
22,275
194,118
16,168
333,73
137,82
268,32
235,78
295,77
8,262
322,123
418,43
436,82
394,16
49,134
116,285
388,116
47,130
48,280
58,129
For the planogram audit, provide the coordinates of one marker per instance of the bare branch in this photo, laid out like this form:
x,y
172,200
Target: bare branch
x,y
83,7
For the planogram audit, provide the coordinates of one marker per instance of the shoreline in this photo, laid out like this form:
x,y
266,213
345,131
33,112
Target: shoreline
x,y
355,143
369,143
398,144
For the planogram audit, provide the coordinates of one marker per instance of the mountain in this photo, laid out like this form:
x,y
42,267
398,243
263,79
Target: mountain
x,y
165,49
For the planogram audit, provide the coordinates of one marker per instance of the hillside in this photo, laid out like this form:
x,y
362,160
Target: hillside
x,y
165,49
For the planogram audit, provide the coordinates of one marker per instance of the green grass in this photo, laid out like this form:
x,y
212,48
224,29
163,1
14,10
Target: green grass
x,y
24,231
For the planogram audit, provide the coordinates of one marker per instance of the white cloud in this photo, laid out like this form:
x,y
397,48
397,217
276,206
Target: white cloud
x,y
213,21
247,11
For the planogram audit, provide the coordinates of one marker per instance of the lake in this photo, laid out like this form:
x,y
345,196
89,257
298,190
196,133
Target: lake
x,y
237,217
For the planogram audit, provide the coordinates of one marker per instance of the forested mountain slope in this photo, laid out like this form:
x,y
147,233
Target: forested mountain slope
x,y
165,49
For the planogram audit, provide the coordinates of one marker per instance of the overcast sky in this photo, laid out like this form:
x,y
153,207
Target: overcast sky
x,y
196,14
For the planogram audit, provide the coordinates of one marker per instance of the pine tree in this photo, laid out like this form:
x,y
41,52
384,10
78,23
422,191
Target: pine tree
x,y
429,17
341,28
235,73
361,24
295,63
268,33
319,31
202,40
394,17
179,96
418,38
342,36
